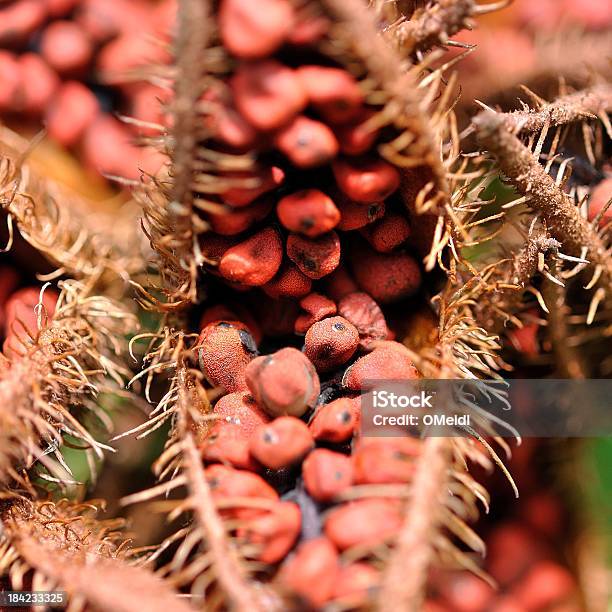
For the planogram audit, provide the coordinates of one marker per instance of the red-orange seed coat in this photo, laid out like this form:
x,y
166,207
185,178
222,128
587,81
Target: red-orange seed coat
x,y
267,93
330,343
234,221
366,180
326,474
317,307
336,421
315,257
387,233
284,383
309,212
255,261
289,282
254,29
365,314
281,443
357,137
245,186
307,143
385,460
355,216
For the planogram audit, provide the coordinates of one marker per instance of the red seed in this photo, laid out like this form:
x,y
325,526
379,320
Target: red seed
x,y
365,314
230,128
281,443
309,212
544,586
600,195
317,307
267,93
105,19
71,111
309,27
241,410
315,257
227,483
38,83
366,180
10,79
381,364
146,104
229,312
225,348
311,573
307,143
326,474
20,315
214,246
355,216
330,343
355,584
255,261
66,47
511,550
234,221
340,283
288,283
525,339
254,29
366,522
388,233
336,421
20,19
357,137
273,533
332,91
122,55
284,383
385,460
60,8
466,592
386,277
244,187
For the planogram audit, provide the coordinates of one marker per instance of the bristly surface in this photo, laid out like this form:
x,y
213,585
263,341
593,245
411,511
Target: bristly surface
x,y
54,379
64,546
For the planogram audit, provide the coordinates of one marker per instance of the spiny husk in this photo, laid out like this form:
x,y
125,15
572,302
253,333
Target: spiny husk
x,y
63,226
64,546
54,378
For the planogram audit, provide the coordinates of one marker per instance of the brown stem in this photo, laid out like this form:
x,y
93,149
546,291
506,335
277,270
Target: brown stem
x,y
562,217
433,25
566,109
403,586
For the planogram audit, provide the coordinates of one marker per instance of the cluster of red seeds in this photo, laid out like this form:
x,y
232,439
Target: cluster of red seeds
x,y
70,64
312,243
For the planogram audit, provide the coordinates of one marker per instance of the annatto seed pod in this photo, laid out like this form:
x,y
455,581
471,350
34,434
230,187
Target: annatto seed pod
x,y
387,233
330,343
355,584
366,180
385,460
273,533
307,143
326,474
254,29
365,314
281,443
365,522
336,421
386,277
315,257
384,363
317,307
289,282
224,349
227,483
311,573
267,93
309,212
284,383
254,261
